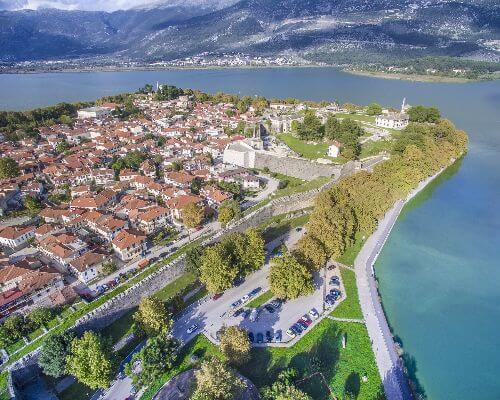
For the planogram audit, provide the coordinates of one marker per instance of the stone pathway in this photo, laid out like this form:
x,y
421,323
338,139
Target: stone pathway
x,y
354,320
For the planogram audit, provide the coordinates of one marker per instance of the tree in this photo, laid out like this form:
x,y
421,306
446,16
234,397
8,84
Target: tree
x,y
193,259
89,361
228,211
284,388
311,128
288,279
40,316
109,267
192,215
156,357
256,252
218,269
333,128
152,316
235,345
53,354
215,381
32,205
374,109
424,114
9,168
62,146
311,252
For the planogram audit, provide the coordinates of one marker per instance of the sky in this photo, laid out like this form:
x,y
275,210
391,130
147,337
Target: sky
x,y
100,5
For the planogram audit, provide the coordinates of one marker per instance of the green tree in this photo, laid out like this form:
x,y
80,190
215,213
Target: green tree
x,y
333,128
311,252
192,215
40,316
32,205
235,345
288,279
284,388
218,269
53,354
62,146
89,361
311,128
256,252
152,316
156,357
109,267
193,259
424,114
229,210
9,168
374,109
215,381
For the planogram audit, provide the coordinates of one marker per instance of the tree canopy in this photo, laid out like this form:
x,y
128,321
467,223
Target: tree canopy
x,y
9,168
424,114
90,362
53,354
215,381
229,210
192,215
235,345
284,388
289,279
152,316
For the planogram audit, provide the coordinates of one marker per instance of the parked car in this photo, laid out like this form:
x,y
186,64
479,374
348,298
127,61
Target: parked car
x,y
251,337
277,336
238,312
306,320
260,337
255,291
313,313
246,313
245,298
235,304
290,332
216,296
254,315
191,329
269,336
269,308
302,324
297,329
276,303
329,302
334,280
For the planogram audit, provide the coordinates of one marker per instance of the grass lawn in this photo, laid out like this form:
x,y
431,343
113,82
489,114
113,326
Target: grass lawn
x,y
351,253
33,335
176,286
121,327
371,148
282,226
307,150
263,298
350,307
357,117
200,347
321,351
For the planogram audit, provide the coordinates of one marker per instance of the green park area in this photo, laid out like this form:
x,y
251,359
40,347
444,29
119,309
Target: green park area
x,y
350,307
305,149
260,300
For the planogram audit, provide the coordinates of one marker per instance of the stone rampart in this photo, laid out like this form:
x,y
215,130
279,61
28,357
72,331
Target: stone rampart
x,y
297,167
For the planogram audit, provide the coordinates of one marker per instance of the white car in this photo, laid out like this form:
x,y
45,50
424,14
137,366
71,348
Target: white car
x,y
192,328
245,298
290,333
254,314
313,313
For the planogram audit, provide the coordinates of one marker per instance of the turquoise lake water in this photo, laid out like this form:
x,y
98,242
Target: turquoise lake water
x,y
439,273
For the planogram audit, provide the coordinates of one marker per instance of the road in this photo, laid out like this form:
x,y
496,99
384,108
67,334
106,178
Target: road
x,y
155,251
271,187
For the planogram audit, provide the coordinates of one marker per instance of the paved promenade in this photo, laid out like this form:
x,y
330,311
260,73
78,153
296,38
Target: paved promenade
x,y
390,367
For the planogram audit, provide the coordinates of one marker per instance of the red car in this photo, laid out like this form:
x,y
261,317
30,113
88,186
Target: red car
x,y
216,296
306,320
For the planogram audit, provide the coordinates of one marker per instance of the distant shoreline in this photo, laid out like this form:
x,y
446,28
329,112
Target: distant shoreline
x,y
380,75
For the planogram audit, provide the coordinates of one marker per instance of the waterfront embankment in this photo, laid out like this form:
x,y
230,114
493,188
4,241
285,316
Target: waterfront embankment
x,y
389,364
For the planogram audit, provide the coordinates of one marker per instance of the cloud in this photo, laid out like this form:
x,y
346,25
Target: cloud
x,y
102,5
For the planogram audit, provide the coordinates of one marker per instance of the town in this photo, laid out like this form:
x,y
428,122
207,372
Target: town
x,y
137,192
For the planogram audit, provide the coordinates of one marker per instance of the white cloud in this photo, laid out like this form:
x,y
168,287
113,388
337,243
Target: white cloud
x,y
102,5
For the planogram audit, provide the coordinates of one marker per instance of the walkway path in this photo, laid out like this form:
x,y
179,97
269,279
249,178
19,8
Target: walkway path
x,y
354,320
388,362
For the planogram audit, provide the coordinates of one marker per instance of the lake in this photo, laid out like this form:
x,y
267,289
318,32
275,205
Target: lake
x,y
439,274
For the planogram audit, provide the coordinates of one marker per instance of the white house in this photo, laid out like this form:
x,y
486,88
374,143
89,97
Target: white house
x,y
392,120
334,149
128,244
94,112
15,236
87,266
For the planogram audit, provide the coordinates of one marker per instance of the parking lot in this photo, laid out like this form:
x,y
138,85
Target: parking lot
x,y
210,315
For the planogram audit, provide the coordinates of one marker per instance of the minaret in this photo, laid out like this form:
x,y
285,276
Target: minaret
x,y
403,105
157,85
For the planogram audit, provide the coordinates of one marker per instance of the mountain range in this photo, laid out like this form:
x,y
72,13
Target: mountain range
x,y
331,31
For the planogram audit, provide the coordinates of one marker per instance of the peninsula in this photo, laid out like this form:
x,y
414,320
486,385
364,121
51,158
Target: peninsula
x,y
167,233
